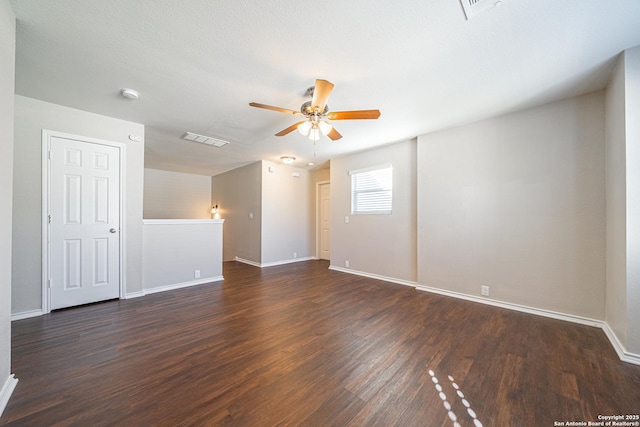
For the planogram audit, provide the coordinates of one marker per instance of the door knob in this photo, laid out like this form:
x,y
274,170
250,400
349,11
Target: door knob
x,y
113,230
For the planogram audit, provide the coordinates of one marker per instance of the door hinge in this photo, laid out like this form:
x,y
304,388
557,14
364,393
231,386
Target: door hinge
x,y
49,154
49,283
49,218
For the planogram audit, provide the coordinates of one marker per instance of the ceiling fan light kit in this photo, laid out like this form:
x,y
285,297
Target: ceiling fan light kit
x,y
304,128
312,128
325,127
316,113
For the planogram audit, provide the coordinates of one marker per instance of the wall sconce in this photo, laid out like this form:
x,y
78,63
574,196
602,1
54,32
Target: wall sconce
x,y
215,213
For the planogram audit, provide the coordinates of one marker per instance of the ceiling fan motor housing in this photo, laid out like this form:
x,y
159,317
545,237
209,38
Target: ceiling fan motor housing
x,y
308,111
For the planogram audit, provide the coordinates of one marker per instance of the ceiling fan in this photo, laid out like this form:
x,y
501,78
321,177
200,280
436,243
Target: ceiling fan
x,y
316,113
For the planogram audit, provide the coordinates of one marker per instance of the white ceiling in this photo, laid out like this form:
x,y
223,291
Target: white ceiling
x,y
198,63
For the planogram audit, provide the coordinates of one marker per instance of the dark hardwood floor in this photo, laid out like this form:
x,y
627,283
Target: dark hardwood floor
x,y
303,345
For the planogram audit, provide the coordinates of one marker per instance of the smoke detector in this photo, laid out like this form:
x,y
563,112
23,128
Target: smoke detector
x,y
130,93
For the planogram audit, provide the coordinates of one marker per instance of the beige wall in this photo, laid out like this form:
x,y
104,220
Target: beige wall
x,y
320,175
31,117
518,203
286,215
632,105
7,77
616,253
175,249
279,230
623,201
238,194
173,195
382,245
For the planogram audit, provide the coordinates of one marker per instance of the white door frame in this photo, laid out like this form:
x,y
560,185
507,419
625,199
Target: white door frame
x,y
318,184
46,208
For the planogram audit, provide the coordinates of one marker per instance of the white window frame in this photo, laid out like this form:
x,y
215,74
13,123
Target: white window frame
x,y
354,210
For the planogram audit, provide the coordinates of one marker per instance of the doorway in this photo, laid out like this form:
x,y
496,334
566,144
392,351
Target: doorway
x,y
82,199
323,221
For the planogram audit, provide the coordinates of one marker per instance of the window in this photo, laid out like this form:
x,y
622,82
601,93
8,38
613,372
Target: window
x,y
371,190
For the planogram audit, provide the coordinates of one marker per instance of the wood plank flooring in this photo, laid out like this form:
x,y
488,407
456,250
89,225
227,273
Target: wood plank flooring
x,y
303,345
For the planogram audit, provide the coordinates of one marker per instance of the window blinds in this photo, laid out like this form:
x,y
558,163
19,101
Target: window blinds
x,y
372,191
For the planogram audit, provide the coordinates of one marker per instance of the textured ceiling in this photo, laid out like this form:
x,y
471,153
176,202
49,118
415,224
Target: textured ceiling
x,y
198,63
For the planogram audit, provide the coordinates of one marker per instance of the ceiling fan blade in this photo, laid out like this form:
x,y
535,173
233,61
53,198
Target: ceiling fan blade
x,y
353,115
270,107
334,134
289,129
321,94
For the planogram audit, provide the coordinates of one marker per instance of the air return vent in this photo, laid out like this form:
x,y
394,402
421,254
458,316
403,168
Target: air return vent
x,y
474,7
189,136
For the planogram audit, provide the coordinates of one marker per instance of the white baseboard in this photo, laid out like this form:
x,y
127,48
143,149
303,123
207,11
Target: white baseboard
x,y
623,354
272,264
130,295
7,390
136,294
286,261
26,314
374,276
246,261
182,285
517,307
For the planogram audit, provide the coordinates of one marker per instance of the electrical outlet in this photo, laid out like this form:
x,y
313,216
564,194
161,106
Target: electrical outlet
x,y
484,290
346,264
295,255
196,274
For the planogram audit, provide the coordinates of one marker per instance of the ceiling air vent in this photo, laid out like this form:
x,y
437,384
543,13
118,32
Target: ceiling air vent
x,y
474,7
190,136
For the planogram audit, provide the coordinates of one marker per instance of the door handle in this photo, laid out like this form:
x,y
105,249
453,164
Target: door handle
x,y
113,230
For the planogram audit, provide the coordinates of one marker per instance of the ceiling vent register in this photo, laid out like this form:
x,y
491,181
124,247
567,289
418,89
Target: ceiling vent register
x,y
474,7
190,136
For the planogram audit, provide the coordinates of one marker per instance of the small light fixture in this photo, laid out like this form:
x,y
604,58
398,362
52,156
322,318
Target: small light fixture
x,y
314,134
325,127
130,93
287,160
214,212
304,128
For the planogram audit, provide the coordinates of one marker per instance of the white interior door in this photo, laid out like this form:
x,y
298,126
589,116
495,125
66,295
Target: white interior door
x,y
84,199
325,221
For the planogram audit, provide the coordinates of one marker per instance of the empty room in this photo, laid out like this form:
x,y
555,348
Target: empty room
x,y
359,213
